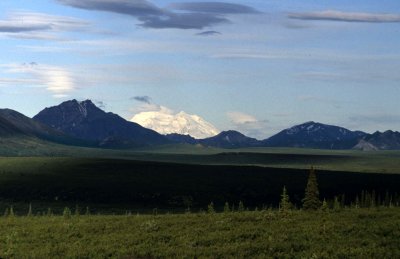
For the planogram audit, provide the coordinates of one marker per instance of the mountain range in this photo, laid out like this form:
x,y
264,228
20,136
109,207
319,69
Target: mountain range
x,y
83,123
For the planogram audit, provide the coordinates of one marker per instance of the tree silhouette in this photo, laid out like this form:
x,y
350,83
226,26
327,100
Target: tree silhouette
x,y
311,199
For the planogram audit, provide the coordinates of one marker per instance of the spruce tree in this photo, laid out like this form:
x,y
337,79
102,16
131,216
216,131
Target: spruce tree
x,y
241,206
311,199
285,204
30,210
210,208
226,207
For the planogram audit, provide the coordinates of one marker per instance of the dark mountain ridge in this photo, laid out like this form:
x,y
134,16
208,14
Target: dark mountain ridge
x,y
230,139
315,135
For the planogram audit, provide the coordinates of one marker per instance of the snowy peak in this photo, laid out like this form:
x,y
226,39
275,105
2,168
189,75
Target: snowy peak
x,y
164,121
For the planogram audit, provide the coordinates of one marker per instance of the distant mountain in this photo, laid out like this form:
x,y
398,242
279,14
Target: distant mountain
x,y
230,139
166,121
388,140
86,121
182,139
315,135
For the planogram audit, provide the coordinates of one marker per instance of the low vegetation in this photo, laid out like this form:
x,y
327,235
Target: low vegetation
x,y
345,233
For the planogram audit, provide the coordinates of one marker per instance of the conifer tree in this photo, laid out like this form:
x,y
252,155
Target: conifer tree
x,y
210,208
11,212
336,204
226,207
324,206
311,199
30,210
67,213
241,206
285,204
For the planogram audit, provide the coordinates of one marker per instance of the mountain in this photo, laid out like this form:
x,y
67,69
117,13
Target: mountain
x,y
315,135
13,123
388,140
86,121
164,121
182,139
230,139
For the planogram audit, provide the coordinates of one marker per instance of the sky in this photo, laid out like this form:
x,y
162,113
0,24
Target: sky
x,y
253,66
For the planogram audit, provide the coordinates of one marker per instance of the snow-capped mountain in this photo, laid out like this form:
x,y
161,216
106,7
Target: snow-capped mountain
x,y
315,135
164,121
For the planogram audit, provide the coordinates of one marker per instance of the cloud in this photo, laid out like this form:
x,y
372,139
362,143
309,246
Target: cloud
x,y
32,25
197,15
208,33
248,124
59,81
100,104
143,99
128,7
182,21
214,7
332,15
241,118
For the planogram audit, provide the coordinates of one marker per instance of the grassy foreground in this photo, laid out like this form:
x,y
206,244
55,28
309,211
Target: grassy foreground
x,y
349,233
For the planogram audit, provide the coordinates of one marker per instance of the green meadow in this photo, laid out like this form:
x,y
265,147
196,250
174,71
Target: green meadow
x,y
347,233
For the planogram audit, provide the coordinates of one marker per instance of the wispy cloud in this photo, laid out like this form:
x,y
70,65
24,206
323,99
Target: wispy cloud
x,y
32,25
331,15
198,15
59,81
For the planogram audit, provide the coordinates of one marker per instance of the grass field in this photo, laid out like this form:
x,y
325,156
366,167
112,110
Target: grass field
x,y
350,233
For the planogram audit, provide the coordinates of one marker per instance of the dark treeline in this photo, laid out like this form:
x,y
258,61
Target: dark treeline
x,y
162,185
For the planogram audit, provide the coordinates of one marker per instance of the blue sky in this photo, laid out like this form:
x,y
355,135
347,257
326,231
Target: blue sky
x,y
255,66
